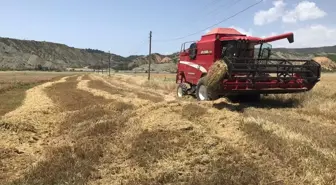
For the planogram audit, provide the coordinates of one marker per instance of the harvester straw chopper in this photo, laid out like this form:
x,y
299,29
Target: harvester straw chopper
x,y
246,67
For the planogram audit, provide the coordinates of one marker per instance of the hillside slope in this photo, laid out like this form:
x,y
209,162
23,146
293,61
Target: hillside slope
x,y
326,56
25,54
18,54
325,49
156,58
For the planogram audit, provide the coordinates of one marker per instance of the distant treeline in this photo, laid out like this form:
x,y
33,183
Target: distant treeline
x,y
94,51
118,66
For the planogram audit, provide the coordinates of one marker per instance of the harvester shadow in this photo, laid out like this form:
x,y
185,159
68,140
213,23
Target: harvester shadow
x,y
263,103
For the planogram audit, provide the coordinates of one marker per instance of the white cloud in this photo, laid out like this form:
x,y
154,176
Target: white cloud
x,y
243,31
311,36
207,31
305,10
273,14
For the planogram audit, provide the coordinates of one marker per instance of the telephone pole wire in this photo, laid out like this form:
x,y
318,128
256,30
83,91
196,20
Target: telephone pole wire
x,y
150,51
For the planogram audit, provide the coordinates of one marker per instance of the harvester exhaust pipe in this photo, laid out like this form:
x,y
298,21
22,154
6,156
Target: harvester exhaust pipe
x,y
289,36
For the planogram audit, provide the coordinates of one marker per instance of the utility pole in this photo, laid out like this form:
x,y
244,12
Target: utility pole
x,y
150,51
102,65
109,65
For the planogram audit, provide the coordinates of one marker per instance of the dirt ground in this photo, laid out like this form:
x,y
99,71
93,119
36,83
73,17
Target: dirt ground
x,y
95,129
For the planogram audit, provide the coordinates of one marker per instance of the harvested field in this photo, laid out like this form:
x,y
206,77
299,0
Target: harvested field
x,y
14,84
94,129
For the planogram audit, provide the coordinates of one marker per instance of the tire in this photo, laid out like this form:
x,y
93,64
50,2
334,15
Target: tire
x,y
203,93
181,90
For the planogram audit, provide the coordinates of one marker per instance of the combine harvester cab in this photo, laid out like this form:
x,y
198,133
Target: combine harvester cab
x,y
251,70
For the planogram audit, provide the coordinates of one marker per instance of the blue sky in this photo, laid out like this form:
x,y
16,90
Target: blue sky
x,y
123,26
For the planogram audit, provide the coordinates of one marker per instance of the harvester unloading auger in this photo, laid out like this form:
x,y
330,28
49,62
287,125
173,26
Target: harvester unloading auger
x,y
225,62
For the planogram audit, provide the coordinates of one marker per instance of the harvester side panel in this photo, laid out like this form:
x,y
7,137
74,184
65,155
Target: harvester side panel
x,y
189,68
194,69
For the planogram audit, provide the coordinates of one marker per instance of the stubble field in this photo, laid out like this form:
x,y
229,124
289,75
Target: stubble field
x,y
95,129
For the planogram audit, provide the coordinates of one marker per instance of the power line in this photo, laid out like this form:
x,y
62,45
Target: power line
x,y
230,17
224,6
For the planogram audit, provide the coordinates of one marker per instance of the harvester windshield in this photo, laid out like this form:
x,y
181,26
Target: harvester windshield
x,y
241,49
262,51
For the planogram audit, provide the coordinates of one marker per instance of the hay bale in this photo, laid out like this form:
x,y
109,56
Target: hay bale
x,y
216,73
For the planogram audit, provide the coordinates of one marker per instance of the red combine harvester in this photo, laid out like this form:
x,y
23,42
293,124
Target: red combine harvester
x,y
251,70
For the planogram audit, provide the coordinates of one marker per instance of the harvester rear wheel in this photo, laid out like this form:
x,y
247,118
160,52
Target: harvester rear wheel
x,y
182,90
203,93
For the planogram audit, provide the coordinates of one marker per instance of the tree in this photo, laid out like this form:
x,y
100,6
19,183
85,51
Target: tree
x,y
39,67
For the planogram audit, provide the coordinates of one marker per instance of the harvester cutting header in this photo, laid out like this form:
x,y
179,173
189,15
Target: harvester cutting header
x,y
227,62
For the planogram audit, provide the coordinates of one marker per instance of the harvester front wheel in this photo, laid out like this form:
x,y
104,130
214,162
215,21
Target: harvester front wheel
x,y
182,90
202,91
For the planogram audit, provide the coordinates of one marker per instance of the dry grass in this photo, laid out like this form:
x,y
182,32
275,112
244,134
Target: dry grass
x,y
300,158
14,85
19,78
86,77
232,168
151,97
284,139
90,124
68,97
12,98
122,90
151,146
98,84
291,143
157,84
162,82
65,165
193,111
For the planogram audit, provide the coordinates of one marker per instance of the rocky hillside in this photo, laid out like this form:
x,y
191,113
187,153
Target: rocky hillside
x,y
160,63
25,54
34,55
156,58
321,50
326,56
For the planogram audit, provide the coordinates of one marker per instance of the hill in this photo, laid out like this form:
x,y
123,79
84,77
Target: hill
x,y
18,54
160,63
325,49
26,54
326,56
